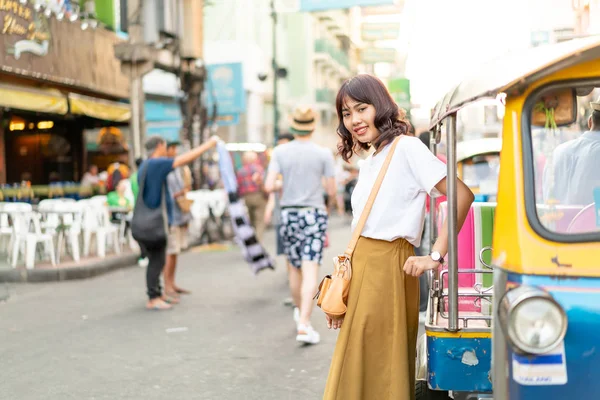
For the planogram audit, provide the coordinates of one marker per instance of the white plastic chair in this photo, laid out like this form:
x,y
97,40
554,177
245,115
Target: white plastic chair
x,y
218,201
25,241
99,200
8,209
70,213
51,220
6,230
96,221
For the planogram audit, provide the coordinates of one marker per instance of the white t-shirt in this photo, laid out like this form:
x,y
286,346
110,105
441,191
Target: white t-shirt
x,y
574,169
399,209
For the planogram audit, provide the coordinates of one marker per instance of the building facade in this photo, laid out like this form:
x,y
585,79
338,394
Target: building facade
x,y
59,78
314,48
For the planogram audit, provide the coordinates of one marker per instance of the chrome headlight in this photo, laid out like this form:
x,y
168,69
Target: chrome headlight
x,y
532,320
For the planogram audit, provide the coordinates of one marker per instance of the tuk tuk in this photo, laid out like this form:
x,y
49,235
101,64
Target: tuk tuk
x,y
478,166
515,313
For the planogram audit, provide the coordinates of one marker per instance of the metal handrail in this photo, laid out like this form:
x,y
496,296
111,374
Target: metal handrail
x,y
435,277
479,295
452,225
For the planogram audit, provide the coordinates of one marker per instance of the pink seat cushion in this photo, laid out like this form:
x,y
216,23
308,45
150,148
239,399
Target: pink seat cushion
x,y
466,257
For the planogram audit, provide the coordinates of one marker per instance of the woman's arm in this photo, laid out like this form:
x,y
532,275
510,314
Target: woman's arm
x,y
417,265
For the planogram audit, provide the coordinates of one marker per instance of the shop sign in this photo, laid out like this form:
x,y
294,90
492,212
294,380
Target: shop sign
x,y
380,31
373,55
35,45
29,27
226,88
162,111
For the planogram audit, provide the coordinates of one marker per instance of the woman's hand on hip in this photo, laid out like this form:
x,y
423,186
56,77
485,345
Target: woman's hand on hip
x,y
415,266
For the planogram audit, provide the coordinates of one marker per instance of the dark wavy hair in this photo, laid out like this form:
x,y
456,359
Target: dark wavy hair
x,y
390,120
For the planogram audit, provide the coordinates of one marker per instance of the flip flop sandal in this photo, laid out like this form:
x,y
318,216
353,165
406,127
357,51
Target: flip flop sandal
x,y
170,299
159,307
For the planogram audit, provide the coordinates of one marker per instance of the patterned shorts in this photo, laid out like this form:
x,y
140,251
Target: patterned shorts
x,y
303,234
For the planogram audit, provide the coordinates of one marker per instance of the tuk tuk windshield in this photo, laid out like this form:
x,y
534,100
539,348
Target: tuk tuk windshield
x,y
480,174
565,150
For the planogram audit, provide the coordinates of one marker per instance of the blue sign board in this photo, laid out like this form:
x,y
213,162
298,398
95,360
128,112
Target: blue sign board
x,y
226,87
319,5
169,132
163,118
162,110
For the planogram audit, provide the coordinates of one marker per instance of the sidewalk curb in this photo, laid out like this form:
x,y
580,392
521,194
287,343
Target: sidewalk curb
x,y
82,271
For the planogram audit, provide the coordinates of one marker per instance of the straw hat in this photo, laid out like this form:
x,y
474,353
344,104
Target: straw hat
x,y
303,119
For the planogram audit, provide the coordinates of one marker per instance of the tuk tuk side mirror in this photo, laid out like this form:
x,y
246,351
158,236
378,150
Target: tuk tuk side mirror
x,y
555,108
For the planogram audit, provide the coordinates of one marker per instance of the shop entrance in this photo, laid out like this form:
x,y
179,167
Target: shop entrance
x,y
43,150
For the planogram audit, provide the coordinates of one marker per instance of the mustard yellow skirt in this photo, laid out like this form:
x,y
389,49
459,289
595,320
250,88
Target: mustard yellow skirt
x,y
374,357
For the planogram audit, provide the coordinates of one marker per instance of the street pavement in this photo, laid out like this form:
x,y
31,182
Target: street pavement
x,y
231,339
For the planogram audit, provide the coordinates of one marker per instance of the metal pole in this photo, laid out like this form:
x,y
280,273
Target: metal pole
x,y
135,62
141,113
136,128
275,77
432,201
433,276
452,226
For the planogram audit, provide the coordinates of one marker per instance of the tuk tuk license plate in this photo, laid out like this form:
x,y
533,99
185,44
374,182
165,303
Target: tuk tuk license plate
x,y
546,369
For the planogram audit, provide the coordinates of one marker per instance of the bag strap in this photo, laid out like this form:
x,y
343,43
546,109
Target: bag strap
x,y
141,177
369,205
142,185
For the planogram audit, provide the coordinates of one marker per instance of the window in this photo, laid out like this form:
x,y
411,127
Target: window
x,y
561,135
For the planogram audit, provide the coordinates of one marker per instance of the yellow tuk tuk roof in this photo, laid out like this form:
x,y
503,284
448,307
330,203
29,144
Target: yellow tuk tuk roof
x,y
513,73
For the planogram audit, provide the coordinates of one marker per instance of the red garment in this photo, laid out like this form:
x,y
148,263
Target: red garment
x,y
246,184
441,199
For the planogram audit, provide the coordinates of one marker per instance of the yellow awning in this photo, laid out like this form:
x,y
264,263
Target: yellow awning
x,y
50,101
99,108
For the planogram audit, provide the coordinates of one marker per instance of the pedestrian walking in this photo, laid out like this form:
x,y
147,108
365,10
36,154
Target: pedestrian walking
x,y
153,211
302,165
178,230
273,216
250,179
375,351
273,209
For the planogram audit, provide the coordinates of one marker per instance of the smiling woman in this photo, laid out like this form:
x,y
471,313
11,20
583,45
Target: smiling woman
x,y
368,115
376,349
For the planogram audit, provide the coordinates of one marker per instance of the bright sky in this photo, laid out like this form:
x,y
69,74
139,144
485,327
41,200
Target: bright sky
x,y
448,39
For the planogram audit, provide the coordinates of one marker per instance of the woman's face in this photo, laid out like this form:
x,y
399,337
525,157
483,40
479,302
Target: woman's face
x,y
359,119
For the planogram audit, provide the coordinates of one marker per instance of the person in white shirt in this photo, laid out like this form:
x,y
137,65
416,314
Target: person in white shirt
x,y
376,347
91,177
571,176
302,165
